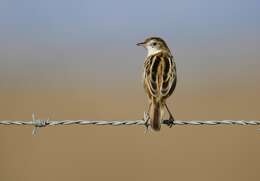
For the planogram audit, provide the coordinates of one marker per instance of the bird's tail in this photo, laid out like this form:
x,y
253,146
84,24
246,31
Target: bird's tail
x,y
156,115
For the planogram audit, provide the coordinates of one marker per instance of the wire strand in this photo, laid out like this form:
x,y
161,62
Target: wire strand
x,y
37,123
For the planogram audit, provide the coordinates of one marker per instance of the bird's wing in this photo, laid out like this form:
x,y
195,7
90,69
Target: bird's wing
x,y
160,74
169,76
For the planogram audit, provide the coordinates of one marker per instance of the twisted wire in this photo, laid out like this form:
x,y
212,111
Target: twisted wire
x,y
37,123
44,123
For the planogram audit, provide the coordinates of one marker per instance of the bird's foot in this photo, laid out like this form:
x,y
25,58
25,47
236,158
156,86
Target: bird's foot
x,y
146,121
170,122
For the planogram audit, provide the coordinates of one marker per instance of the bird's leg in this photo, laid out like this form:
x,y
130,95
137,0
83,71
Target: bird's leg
x,y
147,118
171,119
146,122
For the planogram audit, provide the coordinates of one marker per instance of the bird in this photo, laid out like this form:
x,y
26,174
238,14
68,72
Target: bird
x,y
159,80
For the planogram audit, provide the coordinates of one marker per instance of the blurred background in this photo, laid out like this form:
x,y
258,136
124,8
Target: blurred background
x,y
78,60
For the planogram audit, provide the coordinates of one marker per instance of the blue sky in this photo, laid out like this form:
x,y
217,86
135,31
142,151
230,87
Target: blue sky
x,y
76,37
126,19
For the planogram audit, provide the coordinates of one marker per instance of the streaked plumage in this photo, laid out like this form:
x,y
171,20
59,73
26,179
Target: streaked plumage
x,y
159,78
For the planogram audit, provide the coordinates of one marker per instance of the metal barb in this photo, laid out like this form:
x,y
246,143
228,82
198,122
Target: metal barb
x,y
38,124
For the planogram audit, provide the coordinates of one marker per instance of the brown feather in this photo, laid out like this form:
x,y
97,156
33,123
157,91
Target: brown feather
x,y
159,83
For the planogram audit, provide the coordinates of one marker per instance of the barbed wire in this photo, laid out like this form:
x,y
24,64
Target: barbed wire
x,y
37,123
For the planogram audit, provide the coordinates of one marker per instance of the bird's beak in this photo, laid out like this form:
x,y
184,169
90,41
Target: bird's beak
x,y
141,44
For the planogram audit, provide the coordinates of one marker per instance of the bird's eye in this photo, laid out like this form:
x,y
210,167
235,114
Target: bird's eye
x,y
154,43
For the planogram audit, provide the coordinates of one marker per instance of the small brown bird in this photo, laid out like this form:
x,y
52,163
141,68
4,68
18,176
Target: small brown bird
x,y
159,79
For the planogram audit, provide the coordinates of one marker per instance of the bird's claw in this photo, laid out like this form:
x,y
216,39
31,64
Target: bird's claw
x,y
170,122
146,121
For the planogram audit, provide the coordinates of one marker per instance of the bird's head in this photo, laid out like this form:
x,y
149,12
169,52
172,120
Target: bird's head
x,y
154,45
